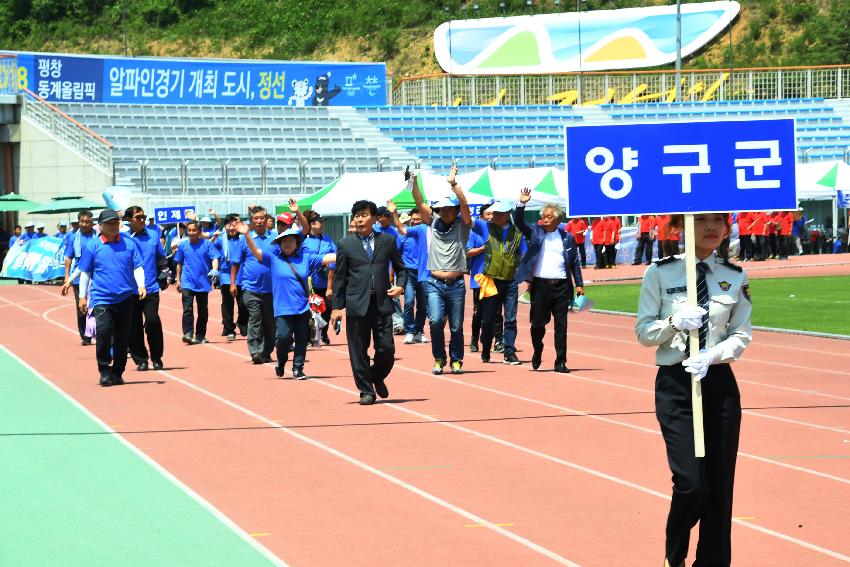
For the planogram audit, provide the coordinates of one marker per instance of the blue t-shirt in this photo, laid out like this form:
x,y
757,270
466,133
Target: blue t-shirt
x,y
27,236
288,293
12,241
476,263
391,230
409,247
111,266
320,245
39,235
75,245
420,234
151,250
234,245
255,277
197,262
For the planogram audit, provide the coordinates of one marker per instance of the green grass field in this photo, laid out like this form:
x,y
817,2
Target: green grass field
x,y
820,304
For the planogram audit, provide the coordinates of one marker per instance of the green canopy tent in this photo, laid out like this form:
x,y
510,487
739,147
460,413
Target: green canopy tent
x,y
14,203
66,204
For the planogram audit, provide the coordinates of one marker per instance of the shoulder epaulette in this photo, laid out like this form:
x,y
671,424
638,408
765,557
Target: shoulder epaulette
x,y
732,266
666,260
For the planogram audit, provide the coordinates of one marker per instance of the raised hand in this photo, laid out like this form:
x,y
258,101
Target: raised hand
x,y
392,207
525,195
293,206
452,175
407,173
241,227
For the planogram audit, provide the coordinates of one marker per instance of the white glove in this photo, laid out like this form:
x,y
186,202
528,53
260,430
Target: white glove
x,y
688,318
698,364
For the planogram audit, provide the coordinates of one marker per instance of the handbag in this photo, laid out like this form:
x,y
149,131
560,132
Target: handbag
x,y
315,301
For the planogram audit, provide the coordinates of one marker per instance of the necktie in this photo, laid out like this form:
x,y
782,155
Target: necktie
x,y
368,245
702,300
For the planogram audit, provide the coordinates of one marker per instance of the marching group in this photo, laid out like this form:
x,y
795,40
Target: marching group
x,y
276,275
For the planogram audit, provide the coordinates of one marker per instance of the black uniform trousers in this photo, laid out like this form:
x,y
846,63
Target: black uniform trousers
x,y
611,254
702,488
550,298
643,249
261,325
147,308
599,249
761,247
359,331
746,247
81,317
229,304
200,326
583,253
477,315
113,333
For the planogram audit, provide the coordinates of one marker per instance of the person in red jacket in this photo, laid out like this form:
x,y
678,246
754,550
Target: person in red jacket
x,y
646,223
785,225
772,233
597,238
745,238
758,226
612,238
578,227
661,233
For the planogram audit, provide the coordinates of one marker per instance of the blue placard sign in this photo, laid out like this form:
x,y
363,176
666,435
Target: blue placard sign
x,y
843,200
170,215
681,167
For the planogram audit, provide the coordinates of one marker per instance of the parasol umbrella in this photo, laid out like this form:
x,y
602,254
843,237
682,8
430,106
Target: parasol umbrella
x,y
14,203
66,204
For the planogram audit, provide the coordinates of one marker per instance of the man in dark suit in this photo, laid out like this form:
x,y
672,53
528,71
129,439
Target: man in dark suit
x,y
362,287
551,264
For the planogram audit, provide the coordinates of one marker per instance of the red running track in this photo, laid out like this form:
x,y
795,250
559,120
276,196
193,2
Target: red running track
x,y
498,466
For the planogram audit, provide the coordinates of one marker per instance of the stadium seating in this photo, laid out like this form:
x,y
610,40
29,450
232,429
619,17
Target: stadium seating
x,y
304,148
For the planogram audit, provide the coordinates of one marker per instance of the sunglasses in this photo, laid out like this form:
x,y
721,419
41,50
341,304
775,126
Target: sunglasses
x,y
140,217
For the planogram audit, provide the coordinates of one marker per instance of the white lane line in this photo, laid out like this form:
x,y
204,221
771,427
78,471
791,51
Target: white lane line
x,y
200,500
368,468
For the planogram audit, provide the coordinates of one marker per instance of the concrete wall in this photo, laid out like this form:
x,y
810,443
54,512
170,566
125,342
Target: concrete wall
x,y
45,168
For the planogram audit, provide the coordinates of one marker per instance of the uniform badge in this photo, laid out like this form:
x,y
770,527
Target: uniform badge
x,y
746,290
724,285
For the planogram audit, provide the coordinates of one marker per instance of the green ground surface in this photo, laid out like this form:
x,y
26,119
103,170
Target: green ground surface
x,y
83,500
820,304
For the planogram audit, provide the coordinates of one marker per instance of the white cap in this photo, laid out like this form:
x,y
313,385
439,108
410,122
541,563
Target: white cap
x,y
501,207
40,225
29,224
63,223
206,219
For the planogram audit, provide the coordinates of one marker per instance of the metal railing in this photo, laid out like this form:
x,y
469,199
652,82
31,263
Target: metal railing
x,y
67,130
624,87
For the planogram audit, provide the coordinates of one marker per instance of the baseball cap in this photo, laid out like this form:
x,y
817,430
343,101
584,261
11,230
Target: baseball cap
x,y
107,215
40,225
289,232
63,223
404,217
501,207
206,219
29,224
445,202
285,218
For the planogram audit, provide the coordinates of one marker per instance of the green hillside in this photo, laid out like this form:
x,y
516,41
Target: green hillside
x,y
767,33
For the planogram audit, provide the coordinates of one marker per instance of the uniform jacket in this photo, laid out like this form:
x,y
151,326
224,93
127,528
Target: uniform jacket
x,y
355,271
664,291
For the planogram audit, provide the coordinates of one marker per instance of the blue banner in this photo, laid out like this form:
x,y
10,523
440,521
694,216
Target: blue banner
x,y
38,260
681,167
843,200
169,215
153,80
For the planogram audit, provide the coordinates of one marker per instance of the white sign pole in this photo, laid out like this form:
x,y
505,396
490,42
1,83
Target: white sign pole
x,y
693,338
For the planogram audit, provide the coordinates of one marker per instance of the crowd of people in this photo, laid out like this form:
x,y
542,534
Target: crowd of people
x,y
283,283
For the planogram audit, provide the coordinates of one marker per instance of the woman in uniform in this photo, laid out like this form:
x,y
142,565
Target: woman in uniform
x,y
702,488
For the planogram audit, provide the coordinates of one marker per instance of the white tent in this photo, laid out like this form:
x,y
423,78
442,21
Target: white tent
x,y
819,180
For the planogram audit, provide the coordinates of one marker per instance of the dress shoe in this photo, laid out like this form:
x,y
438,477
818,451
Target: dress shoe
x,y
200,340
266,358
536,359
485,355
157,365
367,399
298,374
562,369
381,389
116,380
187,338
86,341
257,358
105,381
278,370
142,366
